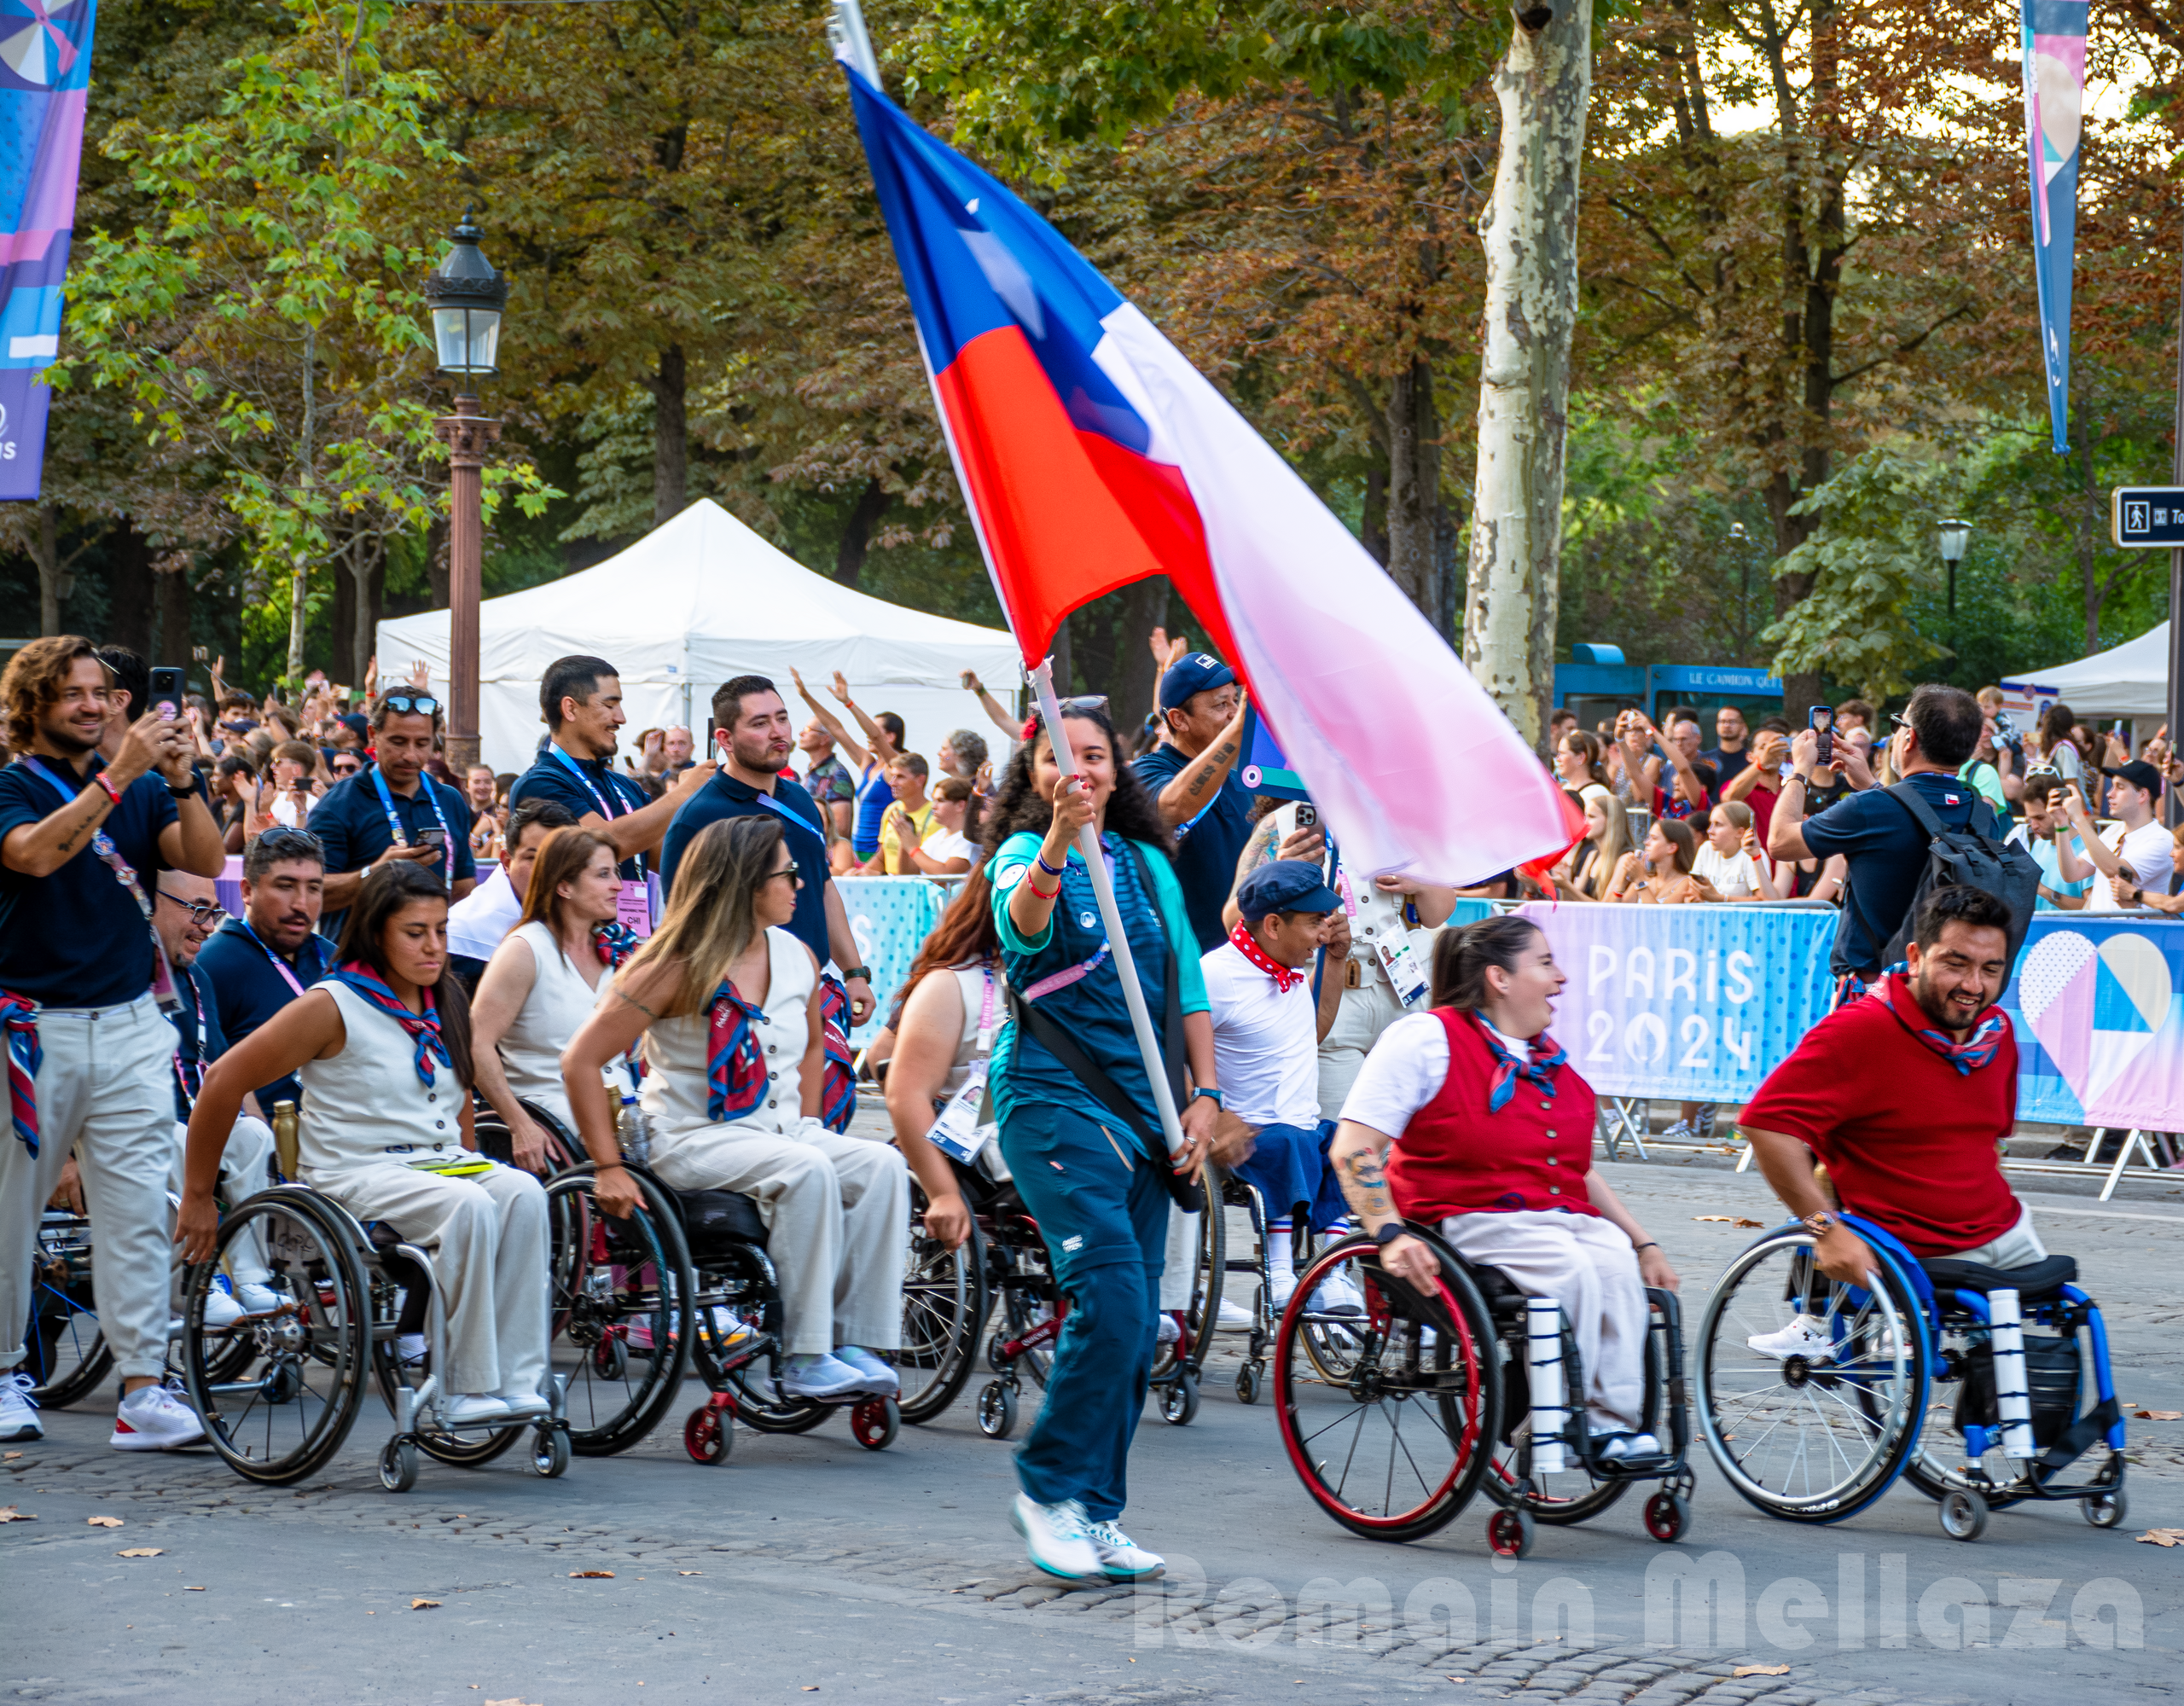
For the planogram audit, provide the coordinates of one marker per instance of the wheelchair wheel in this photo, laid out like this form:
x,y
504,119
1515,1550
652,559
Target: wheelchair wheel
x,y
943,1311
1179,1400
874,1423
65,1353
1022,1309
470,1449
397,1465
1395,1448
550,1454
290,1418
622,1284
1574,1495
1810,1438
2106,1510
1202,1310
997,1410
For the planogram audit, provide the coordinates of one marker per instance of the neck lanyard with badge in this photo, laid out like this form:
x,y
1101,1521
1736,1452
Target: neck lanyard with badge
x,y
184,1077
279,964
102,844
394,826
1377,921
967,1123
633,904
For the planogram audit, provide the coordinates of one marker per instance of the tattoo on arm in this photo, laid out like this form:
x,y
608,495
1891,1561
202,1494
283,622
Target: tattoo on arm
x,y
1365,1184
621,994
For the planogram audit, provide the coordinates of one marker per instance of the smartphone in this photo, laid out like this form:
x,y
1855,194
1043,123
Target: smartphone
x,y
1308,815
166,692
432,838
1822,718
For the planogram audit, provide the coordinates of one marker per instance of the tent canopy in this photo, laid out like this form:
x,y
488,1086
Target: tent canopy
x,y
692,603
2131,680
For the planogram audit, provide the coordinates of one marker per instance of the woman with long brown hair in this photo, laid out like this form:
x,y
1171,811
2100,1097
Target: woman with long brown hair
x,y
726,1003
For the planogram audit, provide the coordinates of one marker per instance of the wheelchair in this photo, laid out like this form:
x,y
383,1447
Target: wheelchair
x,y
1237,1193
280,1392
1394,1421
1923,1380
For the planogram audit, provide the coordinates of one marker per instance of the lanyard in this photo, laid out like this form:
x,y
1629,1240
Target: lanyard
x,y
606,805
180,1067
401,836
989,1003
126,873
786,814
279,964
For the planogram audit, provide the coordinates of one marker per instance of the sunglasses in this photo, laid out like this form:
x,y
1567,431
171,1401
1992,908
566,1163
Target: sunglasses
x,y
423,704
790,871
350,770
202,916
291,843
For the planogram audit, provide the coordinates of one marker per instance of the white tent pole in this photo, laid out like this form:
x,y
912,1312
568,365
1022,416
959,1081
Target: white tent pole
x,y
1103,890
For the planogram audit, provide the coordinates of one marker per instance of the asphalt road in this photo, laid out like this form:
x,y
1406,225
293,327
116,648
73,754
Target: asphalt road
x,y
808,1565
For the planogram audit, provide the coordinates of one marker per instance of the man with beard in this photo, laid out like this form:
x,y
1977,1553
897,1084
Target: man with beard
x,y
393,810
1903,1093
83,983
256,965
752,732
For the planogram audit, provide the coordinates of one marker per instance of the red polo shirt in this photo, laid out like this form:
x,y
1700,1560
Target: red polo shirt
x,y
1908,1140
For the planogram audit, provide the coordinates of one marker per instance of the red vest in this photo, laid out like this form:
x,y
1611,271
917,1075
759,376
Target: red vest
x,y
1456,1159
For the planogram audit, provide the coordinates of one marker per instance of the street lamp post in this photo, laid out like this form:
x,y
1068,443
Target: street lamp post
x,y
467,298
1743,588
1954,535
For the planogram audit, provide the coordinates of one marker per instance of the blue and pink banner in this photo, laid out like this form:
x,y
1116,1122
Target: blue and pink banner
x,y
2099,1007
2054,113
45,73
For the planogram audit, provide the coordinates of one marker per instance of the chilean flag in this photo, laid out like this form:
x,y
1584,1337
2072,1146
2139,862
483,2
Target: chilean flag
x,y
1092,454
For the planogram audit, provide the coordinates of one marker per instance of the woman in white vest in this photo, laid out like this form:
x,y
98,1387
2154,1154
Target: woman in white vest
x,y
542,983
727,1002
382,1048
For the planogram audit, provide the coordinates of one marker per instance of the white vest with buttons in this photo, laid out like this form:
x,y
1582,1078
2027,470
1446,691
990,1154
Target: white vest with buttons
x,y
675,1089
367,1100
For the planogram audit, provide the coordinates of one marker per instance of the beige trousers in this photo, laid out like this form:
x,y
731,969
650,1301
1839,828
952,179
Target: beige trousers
x,y
246,1165
488,1235
1363,1014
837,1221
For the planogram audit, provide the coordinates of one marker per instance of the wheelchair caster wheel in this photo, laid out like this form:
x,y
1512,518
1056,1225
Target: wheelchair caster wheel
x,y
549,1453
875,1422
1249,1381
611,1358
397,1465
997,1410
1964,1515
1668,1515
997,1358
2106,1510
281,1384
709,1434
1511,1533
1179,1403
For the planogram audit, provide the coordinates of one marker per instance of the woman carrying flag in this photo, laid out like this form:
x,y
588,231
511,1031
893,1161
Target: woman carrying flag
x,y
382,1048
1089,1179
729,1005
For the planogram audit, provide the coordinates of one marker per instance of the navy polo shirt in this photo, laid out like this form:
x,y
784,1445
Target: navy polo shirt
x,y
237,973
551,779
723,796
1206,847
78,938
1886,856
352,824
196,1000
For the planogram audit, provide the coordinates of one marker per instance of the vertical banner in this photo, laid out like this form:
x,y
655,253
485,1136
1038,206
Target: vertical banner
x,y
2098,1007
2054,109
45,70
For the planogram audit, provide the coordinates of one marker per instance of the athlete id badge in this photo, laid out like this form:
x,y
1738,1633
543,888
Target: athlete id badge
x,y
966,1124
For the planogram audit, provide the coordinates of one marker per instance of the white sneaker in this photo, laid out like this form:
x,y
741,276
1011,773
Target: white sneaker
x,y
1628,1445
1681,1132
523,1406
473,1410
256,1298
18,1409
729,1330
1339,1294
1279,1290
409,1350
821,1377
1804,1336
153,1419
1229,1319
1120,1558
880,1380
220,1310
1056,1537
1170,1331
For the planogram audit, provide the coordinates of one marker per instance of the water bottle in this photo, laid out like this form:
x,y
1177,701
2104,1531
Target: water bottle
x,y
633,1127
285,1138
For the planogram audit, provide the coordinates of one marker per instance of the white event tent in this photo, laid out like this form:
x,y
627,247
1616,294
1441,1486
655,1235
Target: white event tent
x,y
691,604
2130,680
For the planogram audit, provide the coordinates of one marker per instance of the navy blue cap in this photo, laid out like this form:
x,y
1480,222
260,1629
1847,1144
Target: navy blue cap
x,y
1284,885
1199,672
356,722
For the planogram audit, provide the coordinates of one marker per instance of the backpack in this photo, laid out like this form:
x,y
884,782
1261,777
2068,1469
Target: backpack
x,y
1974,856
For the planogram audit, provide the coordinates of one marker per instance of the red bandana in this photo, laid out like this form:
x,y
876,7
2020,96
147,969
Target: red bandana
x,y
1245,944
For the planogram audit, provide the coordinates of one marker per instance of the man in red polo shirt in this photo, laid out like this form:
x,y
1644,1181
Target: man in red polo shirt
x,y
1904,1094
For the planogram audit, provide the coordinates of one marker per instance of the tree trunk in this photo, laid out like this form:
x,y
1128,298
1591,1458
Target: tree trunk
x,y
1415,485
1145,607
670,437
856,531
47,552
174,617
1373,524
306,466
1530,235
129,579
344,604
370,589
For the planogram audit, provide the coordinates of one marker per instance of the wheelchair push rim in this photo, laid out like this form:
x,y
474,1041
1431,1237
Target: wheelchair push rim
x,y
943,1311
1395,1448
1811,1439
66,1356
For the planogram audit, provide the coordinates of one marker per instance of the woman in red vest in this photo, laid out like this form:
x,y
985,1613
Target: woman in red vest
x,y
1491,1131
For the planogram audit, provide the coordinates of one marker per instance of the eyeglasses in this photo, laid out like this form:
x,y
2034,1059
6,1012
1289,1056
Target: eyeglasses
x,y
202,916
790,871
423,704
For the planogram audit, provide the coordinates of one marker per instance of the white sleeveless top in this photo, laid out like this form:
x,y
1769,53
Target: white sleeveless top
x,y
558,1003
675,1090
978,987
367,1100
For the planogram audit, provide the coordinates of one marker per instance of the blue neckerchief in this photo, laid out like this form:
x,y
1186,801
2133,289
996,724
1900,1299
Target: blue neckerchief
x,y
424,1028
400,836
1540,1069
736,1064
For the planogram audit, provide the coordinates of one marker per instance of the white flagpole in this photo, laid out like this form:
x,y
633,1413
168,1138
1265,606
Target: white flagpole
x,y
846,32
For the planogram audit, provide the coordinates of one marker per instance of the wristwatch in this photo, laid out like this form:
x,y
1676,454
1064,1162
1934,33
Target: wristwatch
x,y
1393,1229
851,971
1209,1093
1819,1225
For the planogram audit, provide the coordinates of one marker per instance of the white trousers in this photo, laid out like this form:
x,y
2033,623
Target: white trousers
x,y
488,1235
106,1090
1363,1014
1587,1265
837,1221
247,1164
2019,1247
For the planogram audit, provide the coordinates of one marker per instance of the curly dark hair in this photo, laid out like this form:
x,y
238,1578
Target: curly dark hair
x,y
1132,812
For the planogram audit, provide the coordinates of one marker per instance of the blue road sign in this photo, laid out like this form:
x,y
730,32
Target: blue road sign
x,y
2148,517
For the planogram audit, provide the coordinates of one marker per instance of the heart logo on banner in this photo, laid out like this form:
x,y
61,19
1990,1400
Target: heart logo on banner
x,y
2094,1010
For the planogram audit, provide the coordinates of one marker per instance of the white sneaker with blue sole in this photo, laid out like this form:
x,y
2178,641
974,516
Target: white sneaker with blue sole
x,y
1057,1537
